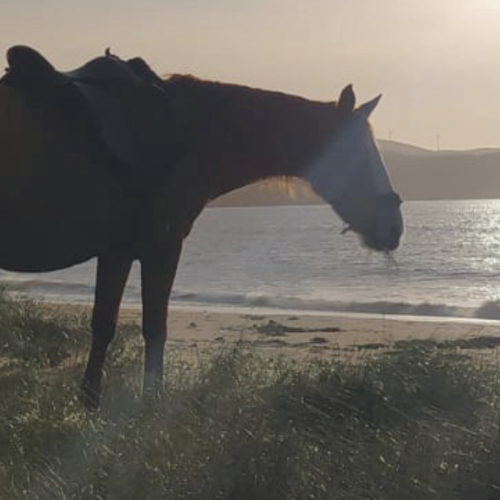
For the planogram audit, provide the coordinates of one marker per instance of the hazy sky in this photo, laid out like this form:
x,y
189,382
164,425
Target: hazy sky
x,y
437,62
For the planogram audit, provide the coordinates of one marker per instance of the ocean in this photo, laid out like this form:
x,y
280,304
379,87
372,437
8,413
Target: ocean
x,y
295,258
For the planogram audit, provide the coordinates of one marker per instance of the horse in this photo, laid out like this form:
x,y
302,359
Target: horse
x,y
61,204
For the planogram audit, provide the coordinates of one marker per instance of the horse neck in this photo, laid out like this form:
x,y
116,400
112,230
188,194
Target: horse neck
x,y
242,135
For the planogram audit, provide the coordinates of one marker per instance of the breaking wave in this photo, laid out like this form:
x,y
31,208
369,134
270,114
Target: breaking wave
x,y
78,292
486,311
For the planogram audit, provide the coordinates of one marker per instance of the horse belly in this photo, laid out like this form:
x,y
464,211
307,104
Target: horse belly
x,y
38,236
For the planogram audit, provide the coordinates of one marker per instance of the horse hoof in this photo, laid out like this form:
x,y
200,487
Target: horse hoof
x,y
152,389
89,397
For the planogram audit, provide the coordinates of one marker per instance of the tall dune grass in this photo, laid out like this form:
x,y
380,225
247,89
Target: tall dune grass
x,y
418,423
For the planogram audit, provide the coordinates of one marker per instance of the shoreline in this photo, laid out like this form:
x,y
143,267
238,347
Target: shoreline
x,y
303,334
277,311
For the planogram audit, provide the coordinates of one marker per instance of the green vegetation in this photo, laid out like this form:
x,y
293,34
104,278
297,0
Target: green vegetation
x,y
417,423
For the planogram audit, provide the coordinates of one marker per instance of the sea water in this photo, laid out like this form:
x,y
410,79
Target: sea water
x,y
296,258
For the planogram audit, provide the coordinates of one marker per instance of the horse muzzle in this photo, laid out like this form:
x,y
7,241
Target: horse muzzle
x,y
387,232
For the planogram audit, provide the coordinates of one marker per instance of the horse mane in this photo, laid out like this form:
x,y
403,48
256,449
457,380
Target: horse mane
x,y
246,109
189,81
250,111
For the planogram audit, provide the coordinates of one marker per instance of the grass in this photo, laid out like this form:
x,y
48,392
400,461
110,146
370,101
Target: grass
x,y
418,423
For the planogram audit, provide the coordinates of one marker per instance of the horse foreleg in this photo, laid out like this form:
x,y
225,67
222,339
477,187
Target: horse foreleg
x,y
112,274
158,268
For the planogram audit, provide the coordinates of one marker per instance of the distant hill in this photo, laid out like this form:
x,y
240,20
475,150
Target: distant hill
x,y
421,174
417,173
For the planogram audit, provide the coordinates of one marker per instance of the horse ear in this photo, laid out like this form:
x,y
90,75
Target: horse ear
x,y
367,108
347,101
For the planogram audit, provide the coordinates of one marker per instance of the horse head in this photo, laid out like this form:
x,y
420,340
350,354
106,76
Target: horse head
x,y
351,176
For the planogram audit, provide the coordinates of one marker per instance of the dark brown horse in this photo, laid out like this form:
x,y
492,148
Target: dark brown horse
x,y
60,205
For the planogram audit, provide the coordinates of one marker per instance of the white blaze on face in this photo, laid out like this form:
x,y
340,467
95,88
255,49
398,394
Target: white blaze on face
x,y
354,155
380,176
351,151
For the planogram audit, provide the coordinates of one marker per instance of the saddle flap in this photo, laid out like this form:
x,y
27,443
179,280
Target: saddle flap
x,y
135,122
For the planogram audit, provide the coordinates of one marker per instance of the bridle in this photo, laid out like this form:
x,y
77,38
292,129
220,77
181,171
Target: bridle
x,y
342,152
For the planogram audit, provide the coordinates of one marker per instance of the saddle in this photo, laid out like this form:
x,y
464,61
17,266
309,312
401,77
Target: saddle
x,y
121,100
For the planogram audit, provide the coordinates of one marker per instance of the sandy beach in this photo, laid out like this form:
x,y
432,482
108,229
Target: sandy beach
x,y
295,333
